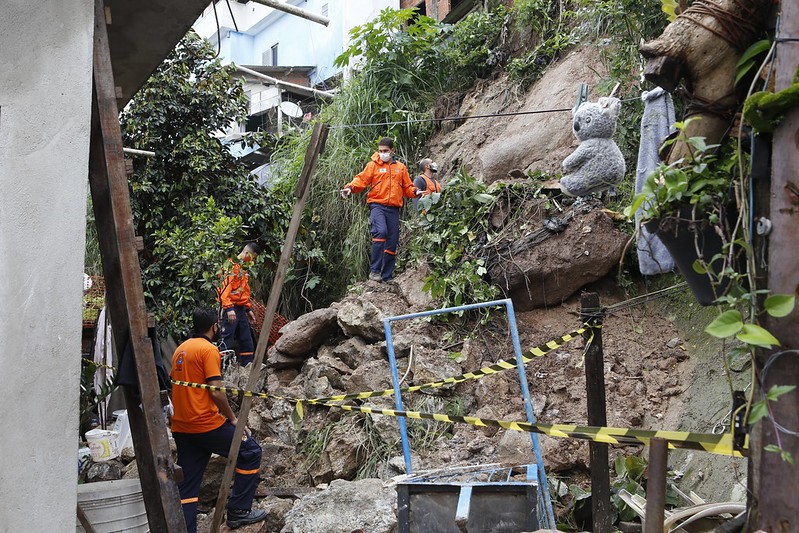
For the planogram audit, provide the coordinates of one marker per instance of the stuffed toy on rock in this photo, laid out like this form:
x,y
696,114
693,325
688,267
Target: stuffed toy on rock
x,y
597,164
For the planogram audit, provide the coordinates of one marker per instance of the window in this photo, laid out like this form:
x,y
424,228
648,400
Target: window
x,y
269,57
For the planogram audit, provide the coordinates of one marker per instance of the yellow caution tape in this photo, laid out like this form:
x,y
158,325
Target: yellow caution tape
x,y
719,444
500,366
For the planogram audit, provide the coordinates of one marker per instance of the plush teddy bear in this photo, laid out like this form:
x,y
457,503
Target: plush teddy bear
x,y
597,164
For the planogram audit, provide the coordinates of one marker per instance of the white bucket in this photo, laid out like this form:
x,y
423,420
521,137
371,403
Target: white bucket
x,y
113,506
101,444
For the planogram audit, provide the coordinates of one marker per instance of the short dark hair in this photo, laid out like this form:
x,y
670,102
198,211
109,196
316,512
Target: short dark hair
x,y
386,141
202,319
253,247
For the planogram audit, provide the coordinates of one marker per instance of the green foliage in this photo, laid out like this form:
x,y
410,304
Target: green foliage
x,y
193,199
474,48
185,271
449,240
699,180
630,473
750,57
669,7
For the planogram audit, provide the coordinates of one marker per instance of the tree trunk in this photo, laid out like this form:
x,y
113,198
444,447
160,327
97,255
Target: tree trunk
x,y
702,47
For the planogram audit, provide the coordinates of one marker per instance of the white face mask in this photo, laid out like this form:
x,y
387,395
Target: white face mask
x,y
385,156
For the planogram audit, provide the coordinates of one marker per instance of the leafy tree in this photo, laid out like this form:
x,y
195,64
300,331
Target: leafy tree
x,y
193,203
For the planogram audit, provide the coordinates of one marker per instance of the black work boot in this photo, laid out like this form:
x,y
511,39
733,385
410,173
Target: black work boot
x,y
242,517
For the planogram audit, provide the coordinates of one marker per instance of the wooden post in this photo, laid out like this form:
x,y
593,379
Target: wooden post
x,y
656,486
774,483
597,416
124,292
315,147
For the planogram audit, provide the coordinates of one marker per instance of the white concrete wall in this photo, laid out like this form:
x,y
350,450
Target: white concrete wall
x,y
45,97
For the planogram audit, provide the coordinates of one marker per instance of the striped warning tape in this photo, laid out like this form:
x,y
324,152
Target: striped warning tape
x,y
719,444
500,366
709,442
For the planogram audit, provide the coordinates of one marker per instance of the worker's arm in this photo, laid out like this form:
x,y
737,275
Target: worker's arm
x,y
409,190
220,399
362,180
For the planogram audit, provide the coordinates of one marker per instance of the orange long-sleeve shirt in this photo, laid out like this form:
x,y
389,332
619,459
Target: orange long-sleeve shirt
x,y
388,182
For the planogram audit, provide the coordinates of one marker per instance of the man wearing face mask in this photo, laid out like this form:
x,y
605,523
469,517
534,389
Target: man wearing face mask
x,y
203,423
389,183
426,182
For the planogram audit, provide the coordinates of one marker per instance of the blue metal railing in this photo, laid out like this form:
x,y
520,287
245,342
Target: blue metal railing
x,y
544,502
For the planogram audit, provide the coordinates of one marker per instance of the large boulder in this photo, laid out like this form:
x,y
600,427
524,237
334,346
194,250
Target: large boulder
x,y
360,318
526,141
411,287
550,271
300,336
344,507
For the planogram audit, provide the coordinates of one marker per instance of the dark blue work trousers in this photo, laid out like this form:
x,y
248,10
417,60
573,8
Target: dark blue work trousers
x,y
240,331
194,451
384,227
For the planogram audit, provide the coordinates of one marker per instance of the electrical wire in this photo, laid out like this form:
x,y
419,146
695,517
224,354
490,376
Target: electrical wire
x,y
764,373
218,30
231,15
461,117
644,298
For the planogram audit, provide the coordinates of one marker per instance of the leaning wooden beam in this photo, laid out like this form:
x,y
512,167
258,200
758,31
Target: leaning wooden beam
x,y
294,10
315,147
125,295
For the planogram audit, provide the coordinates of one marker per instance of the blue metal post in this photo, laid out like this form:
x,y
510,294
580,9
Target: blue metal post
x,y
392,360
528,407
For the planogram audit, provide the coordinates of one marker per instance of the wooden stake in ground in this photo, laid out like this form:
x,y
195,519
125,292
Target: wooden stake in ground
x,y
125,294
315,147
601,508
774,482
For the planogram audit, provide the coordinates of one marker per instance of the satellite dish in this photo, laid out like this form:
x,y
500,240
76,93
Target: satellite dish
x,y
291,109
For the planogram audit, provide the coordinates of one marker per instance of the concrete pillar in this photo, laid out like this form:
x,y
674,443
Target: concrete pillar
x,y
45,114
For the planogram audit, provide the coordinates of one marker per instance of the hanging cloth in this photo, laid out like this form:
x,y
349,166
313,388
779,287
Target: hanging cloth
x,y
104,357
656,125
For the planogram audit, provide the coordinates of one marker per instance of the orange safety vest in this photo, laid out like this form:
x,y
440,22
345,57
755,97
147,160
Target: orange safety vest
x,y
235,287
431,185
388,182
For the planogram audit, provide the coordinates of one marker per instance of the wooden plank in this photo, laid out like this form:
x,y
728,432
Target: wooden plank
x,y
774,482
656,486
601,507
84,521
125,295
315,147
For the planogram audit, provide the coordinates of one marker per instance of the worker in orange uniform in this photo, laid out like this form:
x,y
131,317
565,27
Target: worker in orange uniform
x,y
388,182
235,299
203,423
426,182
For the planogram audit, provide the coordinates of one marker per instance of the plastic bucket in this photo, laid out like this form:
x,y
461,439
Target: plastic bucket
x,y
101,444
113,506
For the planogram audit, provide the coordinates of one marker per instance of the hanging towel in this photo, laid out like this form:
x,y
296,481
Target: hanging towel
x,y
104,357
656,124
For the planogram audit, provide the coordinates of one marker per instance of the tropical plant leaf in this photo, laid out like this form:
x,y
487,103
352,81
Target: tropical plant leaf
x,y
758,336
779,305
669,7
776,391
725,325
